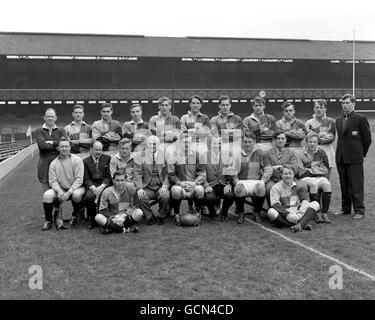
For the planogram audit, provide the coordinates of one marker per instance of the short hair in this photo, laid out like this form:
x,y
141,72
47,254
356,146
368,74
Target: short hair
x,y
348,96
311,134
279,133
321,102
223,98
136,105
258,99
106,105
249,134
164,99
119,172
123,142
63,139
288,167
195,97
286,104
78,106
50,109
96,142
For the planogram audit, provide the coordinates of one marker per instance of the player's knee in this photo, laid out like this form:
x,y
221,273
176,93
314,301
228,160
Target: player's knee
x,y
314,205
239,190
198,192
326,185
48,196
77,195
272,214
101,220
260,189
302,185
177,192
137,215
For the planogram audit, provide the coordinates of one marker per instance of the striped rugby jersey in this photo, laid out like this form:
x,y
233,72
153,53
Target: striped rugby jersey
x,y
288,196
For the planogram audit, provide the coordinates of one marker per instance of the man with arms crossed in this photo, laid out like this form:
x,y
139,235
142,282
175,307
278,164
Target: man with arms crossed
x,y
325,127
261,124
136,129
107,130
79,132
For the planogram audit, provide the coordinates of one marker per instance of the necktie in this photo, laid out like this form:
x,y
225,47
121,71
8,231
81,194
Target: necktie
x,y
344,120
96,164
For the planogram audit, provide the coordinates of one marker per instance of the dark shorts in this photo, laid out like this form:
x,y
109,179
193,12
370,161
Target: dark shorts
x,y
43,168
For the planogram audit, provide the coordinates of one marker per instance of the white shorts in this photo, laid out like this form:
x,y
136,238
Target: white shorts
x,y
248,188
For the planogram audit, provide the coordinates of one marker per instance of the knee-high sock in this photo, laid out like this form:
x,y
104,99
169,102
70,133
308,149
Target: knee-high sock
x,y
48,208
190,202
319,197
77,206
309,215
280,221
314,197
240,204
226,205
258,202
113,226
176,205
198,204
326,200
56,204
129,222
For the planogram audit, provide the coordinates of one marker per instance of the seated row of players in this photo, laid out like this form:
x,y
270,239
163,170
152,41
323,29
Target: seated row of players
x,y
211,189
202,179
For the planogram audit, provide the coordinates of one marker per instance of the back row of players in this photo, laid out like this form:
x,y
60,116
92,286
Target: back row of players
x,y
205,161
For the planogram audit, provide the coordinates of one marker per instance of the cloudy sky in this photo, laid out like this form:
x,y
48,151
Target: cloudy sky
x,y
315,20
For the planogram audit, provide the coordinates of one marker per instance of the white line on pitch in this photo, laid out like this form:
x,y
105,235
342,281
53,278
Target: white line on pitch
x,y
347,266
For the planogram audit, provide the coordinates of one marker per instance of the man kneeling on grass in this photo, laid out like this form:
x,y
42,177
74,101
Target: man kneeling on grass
x,y
290,204
116,213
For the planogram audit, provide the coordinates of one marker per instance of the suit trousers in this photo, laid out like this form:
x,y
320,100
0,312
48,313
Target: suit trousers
x,y
145,206
352,187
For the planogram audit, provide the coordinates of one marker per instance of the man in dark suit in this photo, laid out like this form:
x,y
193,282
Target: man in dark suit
x,y
354,140
96,178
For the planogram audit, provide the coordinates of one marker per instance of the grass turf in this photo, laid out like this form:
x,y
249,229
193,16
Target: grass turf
x,y
215,261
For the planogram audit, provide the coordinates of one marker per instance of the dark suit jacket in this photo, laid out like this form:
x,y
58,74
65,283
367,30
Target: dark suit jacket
x,y
353,142
143,168
96,178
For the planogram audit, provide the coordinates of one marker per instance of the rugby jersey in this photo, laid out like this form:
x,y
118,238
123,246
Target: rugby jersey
x,y
254,166
82,133
327,125
220,122
296,131
288,196
313,166
113,201
266,121
117,163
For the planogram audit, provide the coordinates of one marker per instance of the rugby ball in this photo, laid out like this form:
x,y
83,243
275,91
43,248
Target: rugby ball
x,y
190,220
